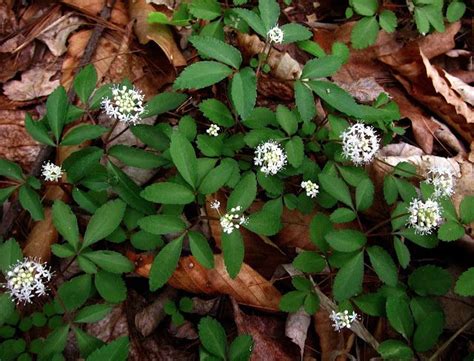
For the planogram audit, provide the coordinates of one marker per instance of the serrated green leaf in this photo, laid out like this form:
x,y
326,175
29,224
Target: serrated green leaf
x,y
455,11
7,306
10,253
365,7
162,103
165,263
402,251
395,350
136,157
346,240
84,82
162,224
75,292
233,249
201,75
217,50
213,337
269,13
243,91
217,112
430,280
293,32
65,223
92,313
383,265
319,227
80,163
10,170
304,101
336,187
241,348
388,21
450,231
117,350
201,250
253,20
82,132
111,286
428,331
348,281
465,283
372,304
390,190
217,177
205,9
56,107
466,209
168,193
104,221
56,341
292,301
30,200
110,261
322,67
342,215
287,119
244,193
365,194
184,158
6,192
310,262
295,151
365,32
38,131
399,315
259,222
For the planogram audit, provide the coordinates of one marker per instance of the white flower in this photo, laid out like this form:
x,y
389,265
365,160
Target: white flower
x,y
275,35
312,189
442,178
342,319
424,216
213,130
231,220
360,143
27,279
126,104
51,172
215,204
270,157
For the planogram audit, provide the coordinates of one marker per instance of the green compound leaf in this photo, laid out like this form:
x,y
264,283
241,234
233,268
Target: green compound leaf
x,y
388,21
287,119
402,251
111,286
428,331
253,20
399,315
75,292
455,11
93,313
292,301
38,130
217,50
234,250
243,91
217,177
110,261
56,106
269,13
395,350
295,151
322,67
84,82
162,103
365,32
30,200
82,132
184,158
117,350
165,263
201,250
466,209
365,7
383,265
430,280
217,112
348,281
346,240
201,75
168,193
365,191
65,223
241,348
10,253
212,336
465,283
244,192
10,170
304,101
293,32
56,341
162,224
310,262
336,187
136,157
450,231
205,9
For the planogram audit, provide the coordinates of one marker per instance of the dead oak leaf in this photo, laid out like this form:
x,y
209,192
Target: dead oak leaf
x,y
56,35
34,83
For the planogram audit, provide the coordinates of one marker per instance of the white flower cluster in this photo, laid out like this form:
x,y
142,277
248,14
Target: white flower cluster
x,y
312,189
424,216
27,279
360,143
213,130
51,172
270,157
126,104
442,179
275,35
342,319
232,220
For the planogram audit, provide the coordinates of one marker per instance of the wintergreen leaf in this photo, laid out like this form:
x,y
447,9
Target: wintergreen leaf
x,y
212,336
168,193
201,75
162,103
348,281
346,240
165,263
395,350
110,261
364,195
322,67
56,108
65,223
243,91
233,249
402,251
82,132
217,112
75,292
84,82
455,11
10,252
342,215
92,313
184,158
117,350
269,13
295,151
217,50
241,348
110,286
287,119
205,9
365,32
388,21
310,262
30,200
450,231
217,177
304,101
56,341
365,7
201,250
430,280
38,130
292,301
244,192
383,265
135,157
428,331
10,170
162,224
293,32
399,315
104,221
465,283
466,209
336,187
253,20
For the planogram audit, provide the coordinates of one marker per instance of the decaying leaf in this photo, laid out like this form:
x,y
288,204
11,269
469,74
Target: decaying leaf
x,y
119,15
41,237
248,288
296,328
464,90
57,33
36,82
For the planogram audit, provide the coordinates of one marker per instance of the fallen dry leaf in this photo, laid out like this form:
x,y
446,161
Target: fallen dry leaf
x,y
296,328
248,288
158,33
34,83
185,331
57,33
42,235
464,90
118,16
330,341
364,90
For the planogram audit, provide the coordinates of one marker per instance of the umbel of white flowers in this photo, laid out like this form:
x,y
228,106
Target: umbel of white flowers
x,y
312,189
360,143
213,130
27,279
275,35
270,157
424,216
342,319
126,104
231,220
442,179
51,172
